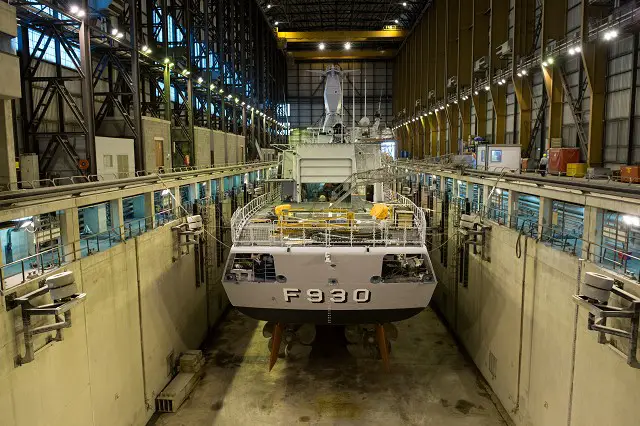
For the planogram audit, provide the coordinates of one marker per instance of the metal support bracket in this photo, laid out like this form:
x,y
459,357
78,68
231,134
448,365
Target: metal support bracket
x,y
600,312
59,310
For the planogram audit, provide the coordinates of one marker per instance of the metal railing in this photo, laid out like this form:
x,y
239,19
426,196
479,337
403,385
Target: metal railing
x,y
328,234
242,215
35,264
361,230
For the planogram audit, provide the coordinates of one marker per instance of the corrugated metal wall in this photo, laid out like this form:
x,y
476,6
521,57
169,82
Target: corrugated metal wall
x,y
305,91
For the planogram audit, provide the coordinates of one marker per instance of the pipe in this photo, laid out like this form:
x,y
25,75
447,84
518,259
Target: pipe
x,y
11,197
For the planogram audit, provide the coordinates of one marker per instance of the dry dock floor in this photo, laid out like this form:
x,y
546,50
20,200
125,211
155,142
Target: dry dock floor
x,y
431,382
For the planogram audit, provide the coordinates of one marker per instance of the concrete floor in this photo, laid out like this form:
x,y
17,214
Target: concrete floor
x,y
431,382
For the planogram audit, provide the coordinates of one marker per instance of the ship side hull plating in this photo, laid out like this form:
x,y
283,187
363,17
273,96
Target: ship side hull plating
x,y
329,285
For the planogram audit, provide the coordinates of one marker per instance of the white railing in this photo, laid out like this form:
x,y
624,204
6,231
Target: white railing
x,y
419,219
363,230
241,216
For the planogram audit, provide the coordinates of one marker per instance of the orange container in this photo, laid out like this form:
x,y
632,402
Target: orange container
x,y
560,157
630,174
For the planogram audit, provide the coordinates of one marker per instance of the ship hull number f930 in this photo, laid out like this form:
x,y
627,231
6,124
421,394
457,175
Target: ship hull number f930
x,y
336,295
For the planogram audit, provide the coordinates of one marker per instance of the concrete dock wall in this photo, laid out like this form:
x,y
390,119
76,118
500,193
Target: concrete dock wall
x,y
530,370
142,309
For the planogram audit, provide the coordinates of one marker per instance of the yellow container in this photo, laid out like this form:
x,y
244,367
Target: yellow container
x,y
576,169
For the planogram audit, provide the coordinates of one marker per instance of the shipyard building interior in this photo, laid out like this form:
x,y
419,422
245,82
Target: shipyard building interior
x,y
363,212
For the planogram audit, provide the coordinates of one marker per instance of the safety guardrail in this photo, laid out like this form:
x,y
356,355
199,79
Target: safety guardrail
x,y
241,216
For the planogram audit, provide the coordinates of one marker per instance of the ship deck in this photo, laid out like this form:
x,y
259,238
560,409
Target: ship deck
x,y
323,224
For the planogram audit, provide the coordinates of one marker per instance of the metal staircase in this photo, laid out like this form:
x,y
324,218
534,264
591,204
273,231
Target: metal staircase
x,y
576,113
538,123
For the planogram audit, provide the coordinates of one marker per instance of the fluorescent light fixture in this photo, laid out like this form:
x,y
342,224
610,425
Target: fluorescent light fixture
x,y
26,224
610,35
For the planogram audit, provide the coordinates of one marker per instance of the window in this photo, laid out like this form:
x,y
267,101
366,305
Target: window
x,y
566,228
499,206
107,160
496,155
251,267
527,213
476,198
620,243
50,53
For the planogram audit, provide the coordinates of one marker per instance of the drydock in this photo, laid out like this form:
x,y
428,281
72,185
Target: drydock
x,y
241,212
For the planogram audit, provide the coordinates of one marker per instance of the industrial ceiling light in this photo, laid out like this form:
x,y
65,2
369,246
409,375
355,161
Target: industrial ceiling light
x,y
212,87
167,60
276,23
321,46
545,64
119,35
550,60
74,9
610,35
404,3
200,80
487,88
347,46
171,64
503,81
575,50
114,31
269,6
229,96
81,13
236,100
221,91
476,93
396,21
524,72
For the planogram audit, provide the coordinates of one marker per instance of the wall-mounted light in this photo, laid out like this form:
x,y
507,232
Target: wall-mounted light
x,y
610,34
